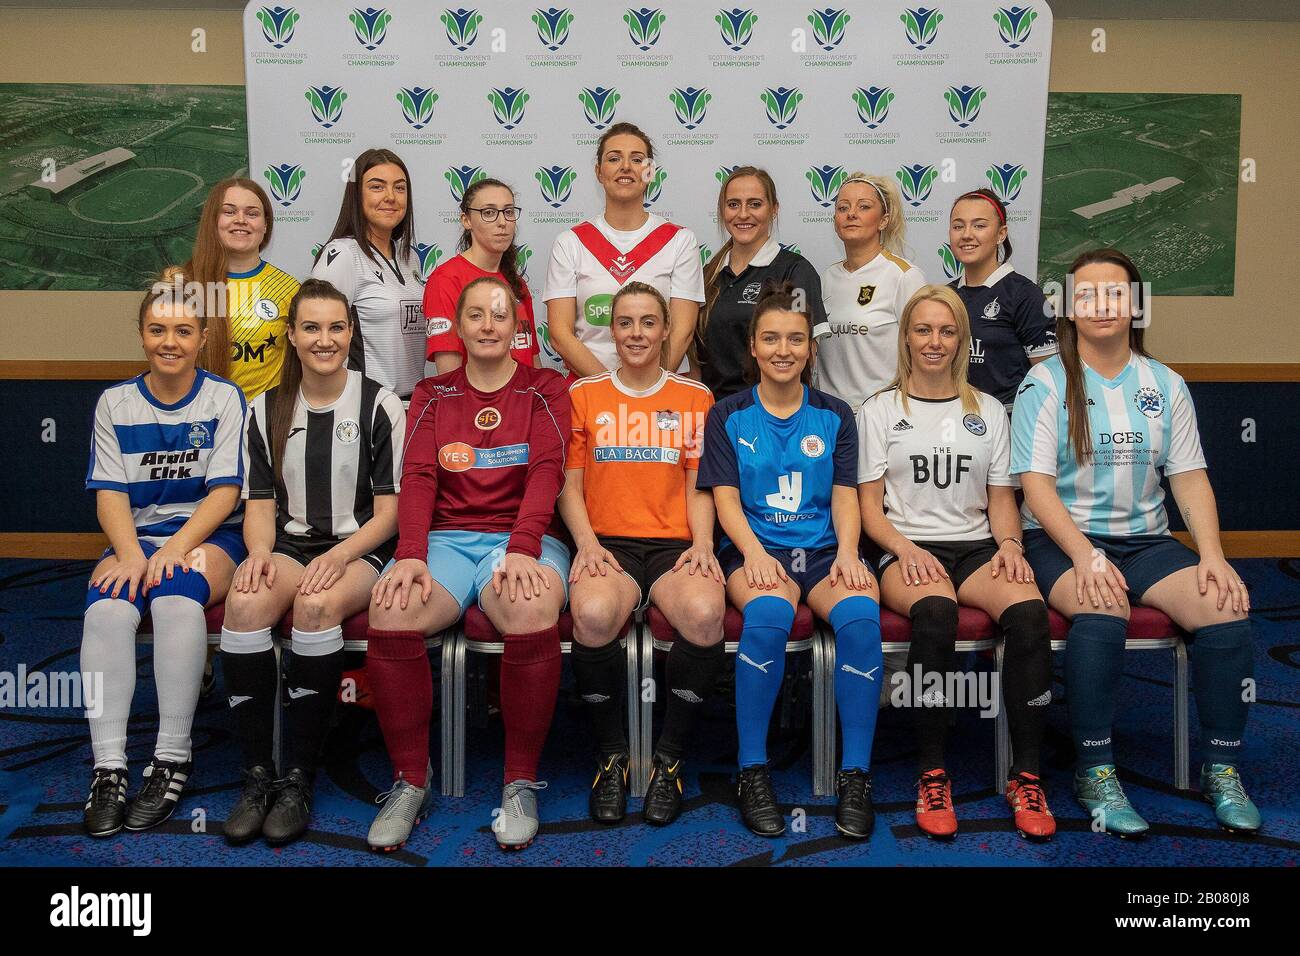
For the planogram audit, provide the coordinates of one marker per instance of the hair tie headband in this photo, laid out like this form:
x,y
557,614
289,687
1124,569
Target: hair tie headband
x,y
1002,216
884,200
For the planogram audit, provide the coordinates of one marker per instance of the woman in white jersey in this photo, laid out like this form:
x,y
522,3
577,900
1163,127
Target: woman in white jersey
x,y
1094,430
593,260
166,469
936,495
370,258
324,454
864,294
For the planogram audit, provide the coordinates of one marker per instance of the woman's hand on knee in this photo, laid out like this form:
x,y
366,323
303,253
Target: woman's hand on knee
x,y
399,581
519,574
129,574
257,565
1226,580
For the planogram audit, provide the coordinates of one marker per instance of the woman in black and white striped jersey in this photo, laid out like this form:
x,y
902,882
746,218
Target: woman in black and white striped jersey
x,y
324,458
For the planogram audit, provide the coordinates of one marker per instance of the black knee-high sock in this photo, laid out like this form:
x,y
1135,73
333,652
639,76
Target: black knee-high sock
x,y
250,692
1026,680
1222,662
600,673
312,688
691,671
934,639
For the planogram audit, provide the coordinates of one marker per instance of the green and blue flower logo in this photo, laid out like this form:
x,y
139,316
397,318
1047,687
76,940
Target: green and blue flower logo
x,y
952,269
655,187
1014,24
873,104
791,247
828,27
916,181
370,25
460,178
522,254
964,103
285,182
736,27
1006,180
723,172
556,183
508,106
462,27
417,105
705,254
824,182
690,105
552,26
326,104
598,105
429,255
277,24
643,26
782,105
922,25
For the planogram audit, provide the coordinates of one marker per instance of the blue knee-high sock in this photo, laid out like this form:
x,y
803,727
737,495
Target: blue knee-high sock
x,y
1222,660
760,665
858,661
1094,665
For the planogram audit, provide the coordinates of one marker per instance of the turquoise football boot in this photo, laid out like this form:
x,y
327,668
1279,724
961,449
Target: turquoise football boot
x,y
1098,791
1221,786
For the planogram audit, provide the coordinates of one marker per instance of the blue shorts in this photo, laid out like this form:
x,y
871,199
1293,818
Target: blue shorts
x,y
462,561
1144,559
229,540
816,565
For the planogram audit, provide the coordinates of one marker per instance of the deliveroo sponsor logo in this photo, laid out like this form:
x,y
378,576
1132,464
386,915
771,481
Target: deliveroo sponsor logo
x,y
598,105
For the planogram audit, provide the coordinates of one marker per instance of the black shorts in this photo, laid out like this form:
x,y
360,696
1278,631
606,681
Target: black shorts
x,y
644,560
807,569
960,559
304,550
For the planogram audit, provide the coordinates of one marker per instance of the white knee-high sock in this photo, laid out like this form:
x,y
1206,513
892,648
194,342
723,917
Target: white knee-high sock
x,y
108,649
180,636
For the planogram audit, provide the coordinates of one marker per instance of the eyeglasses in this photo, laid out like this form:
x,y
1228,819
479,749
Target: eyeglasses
x,y
489,213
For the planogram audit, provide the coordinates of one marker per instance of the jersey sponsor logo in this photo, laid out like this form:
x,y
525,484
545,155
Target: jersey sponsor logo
x,y
522,341
412,313
634,427
1149,401
598,309
438,327
976,352
749,294
975,425
1066,405
865,294
668,421
347,431
266,310
812,446
603,453
487,419
250,352
165,464
788,494
992,310
925,469
458,456
198,436
902,425
1122,438
748,444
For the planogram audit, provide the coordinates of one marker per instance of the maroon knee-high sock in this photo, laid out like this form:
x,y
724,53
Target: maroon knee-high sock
x,y
402,685
530,682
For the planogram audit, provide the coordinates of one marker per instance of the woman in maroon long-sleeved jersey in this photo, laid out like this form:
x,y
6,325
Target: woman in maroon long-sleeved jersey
x,y
483,466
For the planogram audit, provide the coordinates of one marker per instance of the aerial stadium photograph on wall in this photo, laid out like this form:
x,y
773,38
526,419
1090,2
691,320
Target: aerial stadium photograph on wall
x,y
1152,173
101,186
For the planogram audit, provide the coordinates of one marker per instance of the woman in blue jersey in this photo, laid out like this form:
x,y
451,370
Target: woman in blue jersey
x,y
781,459
166,469
1094,430
1011,323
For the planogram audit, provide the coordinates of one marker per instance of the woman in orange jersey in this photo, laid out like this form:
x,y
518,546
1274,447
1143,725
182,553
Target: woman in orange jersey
x,y
643,534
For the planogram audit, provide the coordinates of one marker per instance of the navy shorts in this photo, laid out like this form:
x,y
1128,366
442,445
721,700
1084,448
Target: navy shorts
x,y
1144,559
229,540
816,565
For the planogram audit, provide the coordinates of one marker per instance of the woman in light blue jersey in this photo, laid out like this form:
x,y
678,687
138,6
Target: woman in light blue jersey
x,y
1094,430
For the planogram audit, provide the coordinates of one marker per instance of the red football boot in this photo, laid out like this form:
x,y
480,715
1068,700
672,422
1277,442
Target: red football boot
x,y
1029,804
934,813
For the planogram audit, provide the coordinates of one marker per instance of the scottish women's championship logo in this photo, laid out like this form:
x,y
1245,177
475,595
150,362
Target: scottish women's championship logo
x,y
825,182
736,27
690,105
460,178
916,182
326,104
417,105
508,106
428,255
552,26
277,24
643,27
598,105
285,182
964,103
873,104
1006,180
462,27
828,27
782,105
921,25
556,183
1014,24
370,25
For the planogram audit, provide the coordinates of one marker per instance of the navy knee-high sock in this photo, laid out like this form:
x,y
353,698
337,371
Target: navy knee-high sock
x,y
1094,665
1222,661
858,660
760,666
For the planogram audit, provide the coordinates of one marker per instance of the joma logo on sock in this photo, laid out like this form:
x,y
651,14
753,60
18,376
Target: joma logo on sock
x,y
74,909
1095,743
1215,741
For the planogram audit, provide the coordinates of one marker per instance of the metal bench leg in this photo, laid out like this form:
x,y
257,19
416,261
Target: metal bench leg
x,y
447,717
277,715
646,715
1001,730
824,715
1182,755
458,717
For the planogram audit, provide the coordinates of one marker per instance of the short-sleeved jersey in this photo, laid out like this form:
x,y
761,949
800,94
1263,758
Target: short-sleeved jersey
x,y
669,260
1143,427
165,458
937,460
484,461
440,295
1010,323
860,357
257,310
724,350
784,468
387,299
336,458
635,448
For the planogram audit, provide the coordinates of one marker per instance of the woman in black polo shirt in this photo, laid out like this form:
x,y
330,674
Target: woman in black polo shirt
x,y
747,208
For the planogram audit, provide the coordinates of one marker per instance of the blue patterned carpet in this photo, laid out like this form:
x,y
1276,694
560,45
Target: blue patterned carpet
x,y
45,767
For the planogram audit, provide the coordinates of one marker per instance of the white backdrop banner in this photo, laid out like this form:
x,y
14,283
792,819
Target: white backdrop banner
x,y
943,99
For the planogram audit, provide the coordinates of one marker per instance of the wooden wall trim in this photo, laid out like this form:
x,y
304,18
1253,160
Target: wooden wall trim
x,y
1237,372
1236,544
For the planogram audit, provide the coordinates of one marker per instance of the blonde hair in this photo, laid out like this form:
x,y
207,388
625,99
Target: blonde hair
x,y
891,237
960,361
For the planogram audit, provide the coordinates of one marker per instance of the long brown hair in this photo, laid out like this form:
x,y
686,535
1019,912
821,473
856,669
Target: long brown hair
x,y
780,297
643,288
286,395
509,261
207,267
961,358
715,264
351,223
1067,339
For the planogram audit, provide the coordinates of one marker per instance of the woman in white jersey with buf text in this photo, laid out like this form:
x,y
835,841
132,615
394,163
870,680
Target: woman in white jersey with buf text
x,y
864,294
593,260
1094,430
